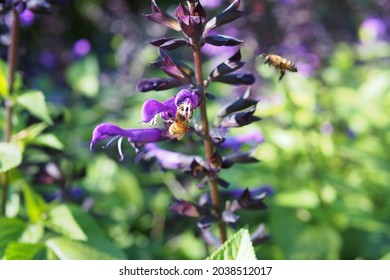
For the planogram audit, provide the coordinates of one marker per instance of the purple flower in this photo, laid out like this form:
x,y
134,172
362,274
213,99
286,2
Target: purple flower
x,y
27,18
236,142
187,101
191,23
372,29
81,47
135,136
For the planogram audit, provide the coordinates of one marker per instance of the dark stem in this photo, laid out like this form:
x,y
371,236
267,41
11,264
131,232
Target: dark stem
x,y
208,144
12,58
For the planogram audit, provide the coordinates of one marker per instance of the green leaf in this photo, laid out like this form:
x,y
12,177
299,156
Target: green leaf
x,y
35,205
386,257
33,233
34,102
4,90
10,156
23,251
238,247
83,76
4,86
48,140
10,230
61,221
66,249
98,246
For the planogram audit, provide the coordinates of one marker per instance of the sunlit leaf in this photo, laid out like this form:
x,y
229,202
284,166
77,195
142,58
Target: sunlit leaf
x,y
34,102
10,156
48,140
23,251
62,221
67,249
35,205
238,247
83,76
10,230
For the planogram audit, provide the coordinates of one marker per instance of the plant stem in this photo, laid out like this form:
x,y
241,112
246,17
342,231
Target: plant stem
x,y
12,58
208,144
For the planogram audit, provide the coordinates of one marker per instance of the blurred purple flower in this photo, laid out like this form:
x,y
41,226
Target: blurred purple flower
x,y
47,59
212,3
327,129
373,28
81,47
236,142
27,18
351,134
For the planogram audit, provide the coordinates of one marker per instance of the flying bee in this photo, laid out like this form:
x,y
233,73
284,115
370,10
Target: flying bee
x,y
279,63
180,126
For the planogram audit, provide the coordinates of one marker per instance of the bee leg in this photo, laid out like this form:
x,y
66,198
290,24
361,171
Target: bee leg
x,y
282,72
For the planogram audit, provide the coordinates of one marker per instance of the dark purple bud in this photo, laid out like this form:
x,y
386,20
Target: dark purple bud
x,y
197,170
247,201
206,221
217,135
259,236
228,66
162,18
245,157
134,135
157,84
229,14
216,160
236,79
263,190
39,6
241,103
186,208
169,43
181,11
240,119
191,23
174,70
222,40
223,183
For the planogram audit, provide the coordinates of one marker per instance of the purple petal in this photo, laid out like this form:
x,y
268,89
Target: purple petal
x,y
188,96
186,208
236,79
137,136
153,107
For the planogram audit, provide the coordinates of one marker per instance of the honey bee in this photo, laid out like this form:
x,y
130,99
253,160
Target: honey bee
x,y
279,63
180,126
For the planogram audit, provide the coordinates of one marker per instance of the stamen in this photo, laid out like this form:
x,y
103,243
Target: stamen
x,y
120,149
109,142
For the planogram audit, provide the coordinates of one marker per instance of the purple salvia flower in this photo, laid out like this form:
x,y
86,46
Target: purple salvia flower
x,y
135,136
152,108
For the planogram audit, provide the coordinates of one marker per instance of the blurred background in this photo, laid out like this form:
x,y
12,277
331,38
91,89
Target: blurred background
x,y
326,128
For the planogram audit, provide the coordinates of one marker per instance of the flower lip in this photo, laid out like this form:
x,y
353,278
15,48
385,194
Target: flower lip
x,y
138,136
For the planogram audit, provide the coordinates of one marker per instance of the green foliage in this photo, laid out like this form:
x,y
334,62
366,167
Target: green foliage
x,y
34,102
10,156
238,247
83,76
